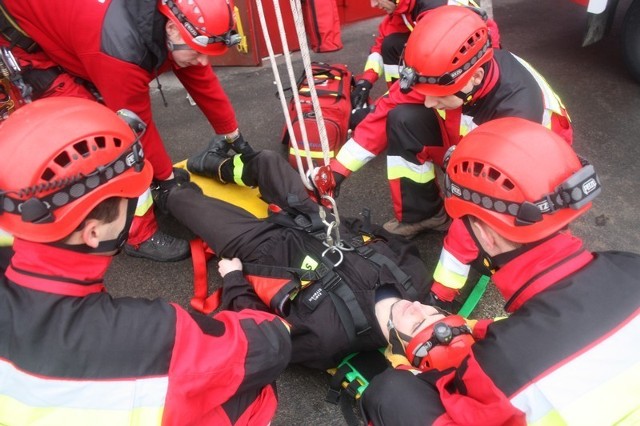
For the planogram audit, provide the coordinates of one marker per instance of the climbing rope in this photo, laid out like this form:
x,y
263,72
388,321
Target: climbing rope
x,y
333,240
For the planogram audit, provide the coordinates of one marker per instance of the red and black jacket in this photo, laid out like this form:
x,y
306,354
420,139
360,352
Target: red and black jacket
x,y
70,351
120,47
568,353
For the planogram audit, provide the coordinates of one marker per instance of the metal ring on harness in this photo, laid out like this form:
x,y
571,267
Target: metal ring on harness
x,y
334,249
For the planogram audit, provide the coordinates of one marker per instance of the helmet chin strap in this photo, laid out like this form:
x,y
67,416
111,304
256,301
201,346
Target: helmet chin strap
x,y
114,245
486,264
466,97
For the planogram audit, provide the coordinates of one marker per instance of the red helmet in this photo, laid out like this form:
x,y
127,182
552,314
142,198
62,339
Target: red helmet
x,y
445,48
520,178
442,345
205,25
67,155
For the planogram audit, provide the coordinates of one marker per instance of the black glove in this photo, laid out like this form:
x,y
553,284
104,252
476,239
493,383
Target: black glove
x,y
338,178
239,145
360,94
160,188
451,307
357,115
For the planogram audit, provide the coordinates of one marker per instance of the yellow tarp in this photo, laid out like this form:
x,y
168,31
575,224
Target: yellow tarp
x,y
241,196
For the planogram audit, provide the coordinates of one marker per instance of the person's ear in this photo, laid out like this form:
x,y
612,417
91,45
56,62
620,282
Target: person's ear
x,y
485,235
477,76
172,30
91,232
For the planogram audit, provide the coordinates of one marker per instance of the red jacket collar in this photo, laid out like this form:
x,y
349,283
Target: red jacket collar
x,y
55,270
542,266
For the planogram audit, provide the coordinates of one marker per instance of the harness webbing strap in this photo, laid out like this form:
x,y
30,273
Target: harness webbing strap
x,y
351,315
14,34
381,260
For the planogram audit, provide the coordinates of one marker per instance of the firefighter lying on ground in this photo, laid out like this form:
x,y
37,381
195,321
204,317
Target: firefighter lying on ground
x,y
568,353
385,56
111,51
454,80
328,296
71,353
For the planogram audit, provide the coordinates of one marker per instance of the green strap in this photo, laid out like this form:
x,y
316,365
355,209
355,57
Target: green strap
x,y
474,297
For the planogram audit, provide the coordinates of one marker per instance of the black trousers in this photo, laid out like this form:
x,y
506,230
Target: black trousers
x,y
232,231
398,398
411,130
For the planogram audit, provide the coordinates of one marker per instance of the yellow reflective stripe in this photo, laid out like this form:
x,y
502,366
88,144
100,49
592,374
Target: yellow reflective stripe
x,y
144,203
450,272
551,100
312,154
238,168
6,239
398,167
599,387
27,399
449,278
353,156
391,72
12,412
466,125
375,63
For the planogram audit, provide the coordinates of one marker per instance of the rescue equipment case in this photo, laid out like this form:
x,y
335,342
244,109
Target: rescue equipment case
x,y
333,84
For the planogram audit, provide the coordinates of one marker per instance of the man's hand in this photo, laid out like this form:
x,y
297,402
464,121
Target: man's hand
x,y
450,306
326,181
229,265
360,94
338,178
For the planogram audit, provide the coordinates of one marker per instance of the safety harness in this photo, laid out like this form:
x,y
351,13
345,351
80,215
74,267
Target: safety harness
x,y
311,286
10,29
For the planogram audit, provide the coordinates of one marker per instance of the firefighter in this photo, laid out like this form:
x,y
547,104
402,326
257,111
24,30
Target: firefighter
x,y
70,352
111,51
454,80
327,293
568,352
385,55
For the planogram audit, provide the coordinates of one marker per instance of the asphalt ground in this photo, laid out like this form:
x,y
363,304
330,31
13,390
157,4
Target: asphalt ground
x,y
602,98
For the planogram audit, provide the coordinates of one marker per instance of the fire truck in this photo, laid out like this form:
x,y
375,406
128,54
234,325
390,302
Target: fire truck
x,y
601,14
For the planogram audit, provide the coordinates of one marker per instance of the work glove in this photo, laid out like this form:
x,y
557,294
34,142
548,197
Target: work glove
x,y
450,306
359,114
326,181
239,144
160,189
360,94
338,178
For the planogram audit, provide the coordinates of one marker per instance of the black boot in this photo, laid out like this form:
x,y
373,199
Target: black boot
x,y
209,162
160,247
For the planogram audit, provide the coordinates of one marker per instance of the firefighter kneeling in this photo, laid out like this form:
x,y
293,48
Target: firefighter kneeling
x,y
68,198
568,352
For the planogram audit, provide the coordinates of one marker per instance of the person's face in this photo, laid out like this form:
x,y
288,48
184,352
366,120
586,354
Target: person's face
x,y
412,317
189,57
452,101
185,56
387,5
443,102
